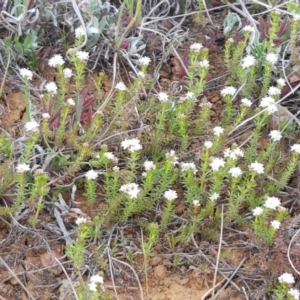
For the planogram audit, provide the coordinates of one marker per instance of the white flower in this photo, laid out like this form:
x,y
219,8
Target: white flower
x,y
93,286
296,17
208,144
22,168
170,195
82,55
144,61
228,91
217,163
204,63
248,61
235,172
294,293
296,148
141,74
79,32
275,135
81,220
274,91
246,102
163,97
91,174
188,166
275,224
26,74
233,154
109,156
31,126
280,82
71,102
214,197
97,278
266,101
196,47
51,87
257,211
248,28
45,116
68,73
132,145
286,278
120,86
272,203
149,165
271,109
131,189
218,130
172,156
272,58
196,203
56,60
190,96
257,167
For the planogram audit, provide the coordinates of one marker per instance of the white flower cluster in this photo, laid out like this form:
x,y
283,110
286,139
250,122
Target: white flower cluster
x,y
111,156
68,73
51,87
144,61
81,220
294,293
56,60
188,166
196,47
218,131
272,203
214,197
82,55
170,195
79,32
32,126
172,156
217,163
26,74
248,61
95,279
233,154
228,91
257,167
163,97
120,86
235,172
272,58
286,278
149,165
131,189
22,168
246,102
91,175
296,148
268,103
275,135
204,64
131,145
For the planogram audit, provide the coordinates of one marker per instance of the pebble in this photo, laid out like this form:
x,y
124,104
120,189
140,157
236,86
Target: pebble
x,y
160,272
155,261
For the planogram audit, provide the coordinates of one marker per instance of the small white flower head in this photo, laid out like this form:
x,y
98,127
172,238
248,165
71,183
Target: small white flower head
x,y
79,32
116,169
233,154
120,86
170,195
31,126
149,165
109,156
286,278
163,97
257,211
144,61
90,175
248,61
296,148
196,203
248,28
131,145
272,109
22,168
228,91
214,197
272,203
266,101
141,74
217,163
246,102
190,96
196,47
280,82
294,293
188,166
275,135
56,60
204,64
82,55
26,74
257,167
208,144
68,73
51,87
92,286
45,116
218,131
235,172
274,91
296,17
71,102
81,220
275,224
172,156
272,58
97,279
131,189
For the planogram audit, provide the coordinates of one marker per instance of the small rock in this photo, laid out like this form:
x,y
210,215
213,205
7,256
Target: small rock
x,y
155,261
160,272
214,99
